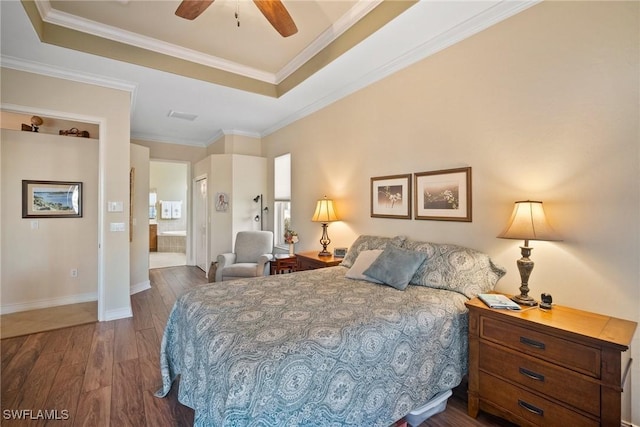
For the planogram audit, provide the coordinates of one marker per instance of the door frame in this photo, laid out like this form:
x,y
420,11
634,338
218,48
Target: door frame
x,y
194,222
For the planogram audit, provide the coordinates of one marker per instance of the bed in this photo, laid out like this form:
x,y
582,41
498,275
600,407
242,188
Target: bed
x,y
320,347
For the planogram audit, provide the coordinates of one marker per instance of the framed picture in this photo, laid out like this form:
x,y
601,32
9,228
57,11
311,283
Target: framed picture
x,y
51,199
443,195
391,196
222,202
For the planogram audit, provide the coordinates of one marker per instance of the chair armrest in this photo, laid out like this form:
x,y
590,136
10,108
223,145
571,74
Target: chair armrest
x,y
262,267
226,259
223,261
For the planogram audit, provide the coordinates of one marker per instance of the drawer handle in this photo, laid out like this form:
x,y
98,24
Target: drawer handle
x,y
532,343
531,374
529,407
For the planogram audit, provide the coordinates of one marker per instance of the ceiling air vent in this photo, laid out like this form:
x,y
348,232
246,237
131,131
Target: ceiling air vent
x,y
181,115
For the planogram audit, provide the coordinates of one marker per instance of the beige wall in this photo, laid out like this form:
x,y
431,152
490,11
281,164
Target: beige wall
x,y
236,144
165,151
242,178
543,106
110,108
39,253
139,256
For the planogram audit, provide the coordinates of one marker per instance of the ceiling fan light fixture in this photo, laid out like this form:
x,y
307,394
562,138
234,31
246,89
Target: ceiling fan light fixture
x,y
275,12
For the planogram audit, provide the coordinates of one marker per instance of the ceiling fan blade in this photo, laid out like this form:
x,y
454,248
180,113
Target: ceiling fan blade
x,y
191,9
278,16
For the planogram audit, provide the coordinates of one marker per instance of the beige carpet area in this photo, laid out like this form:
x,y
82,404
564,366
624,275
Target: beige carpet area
x,y
166,259
47,319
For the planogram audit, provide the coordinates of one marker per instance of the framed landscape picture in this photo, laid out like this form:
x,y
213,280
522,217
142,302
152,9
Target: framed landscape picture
x,y
391,196
443,195
51,199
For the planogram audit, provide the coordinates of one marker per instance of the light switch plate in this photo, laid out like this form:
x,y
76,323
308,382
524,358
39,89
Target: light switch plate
x,y
116,226
115,206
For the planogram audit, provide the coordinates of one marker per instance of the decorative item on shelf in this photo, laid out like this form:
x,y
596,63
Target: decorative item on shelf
x,y
291,238
75,132
325,213
528,222
263,211
36,122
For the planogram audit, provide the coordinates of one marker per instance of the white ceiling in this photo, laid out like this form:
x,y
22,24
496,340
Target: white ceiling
x,y
423,29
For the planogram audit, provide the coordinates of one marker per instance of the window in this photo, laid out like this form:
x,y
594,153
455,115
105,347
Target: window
x,y
281,197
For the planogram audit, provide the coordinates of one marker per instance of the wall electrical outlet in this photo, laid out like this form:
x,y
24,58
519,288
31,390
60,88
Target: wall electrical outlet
x,y
74,272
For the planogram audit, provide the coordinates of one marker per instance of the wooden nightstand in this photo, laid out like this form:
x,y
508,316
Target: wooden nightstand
x,y
283,263
560,367
310,260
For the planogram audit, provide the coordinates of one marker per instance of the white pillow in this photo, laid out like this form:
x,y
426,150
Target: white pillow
x,y
362,262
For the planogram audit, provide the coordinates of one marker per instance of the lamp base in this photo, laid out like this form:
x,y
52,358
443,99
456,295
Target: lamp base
x,y
524,300
324,241
525,266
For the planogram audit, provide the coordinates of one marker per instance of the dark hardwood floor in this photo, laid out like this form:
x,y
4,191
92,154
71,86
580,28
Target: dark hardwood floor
x,y
104,374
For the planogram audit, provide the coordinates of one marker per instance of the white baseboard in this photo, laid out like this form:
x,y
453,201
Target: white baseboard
x,y
119,313
628,424
139,287
48,302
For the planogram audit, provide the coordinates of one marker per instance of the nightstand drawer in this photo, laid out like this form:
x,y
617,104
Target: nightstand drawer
x,y
575,356
554,381
528,406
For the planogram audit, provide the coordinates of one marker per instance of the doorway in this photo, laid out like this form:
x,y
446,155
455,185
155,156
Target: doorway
x,y
169,211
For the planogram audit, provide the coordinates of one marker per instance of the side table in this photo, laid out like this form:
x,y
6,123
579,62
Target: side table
x,y
310,260
283,263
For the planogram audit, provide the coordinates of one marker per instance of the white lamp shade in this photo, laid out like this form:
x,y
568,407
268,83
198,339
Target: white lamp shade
x,y
325,211
528,222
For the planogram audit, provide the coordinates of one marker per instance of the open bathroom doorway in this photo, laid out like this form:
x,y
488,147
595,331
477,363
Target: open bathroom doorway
x,y
168,213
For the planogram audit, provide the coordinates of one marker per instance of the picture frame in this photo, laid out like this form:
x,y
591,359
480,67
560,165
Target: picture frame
x,y
222,202
391,196
443,195
51,199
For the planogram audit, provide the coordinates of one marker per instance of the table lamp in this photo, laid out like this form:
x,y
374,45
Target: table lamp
x,y
325,213
528,222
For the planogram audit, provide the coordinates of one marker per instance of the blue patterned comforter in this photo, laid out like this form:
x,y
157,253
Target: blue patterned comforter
x,y
312,348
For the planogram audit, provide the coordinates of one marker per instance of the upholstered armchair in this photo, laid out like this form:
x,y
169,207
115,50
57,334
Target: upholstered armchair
x,y
253,251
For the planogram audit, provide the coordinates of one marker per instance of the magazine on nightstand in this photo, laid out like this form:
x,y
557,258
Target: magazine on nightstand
x,y
498,301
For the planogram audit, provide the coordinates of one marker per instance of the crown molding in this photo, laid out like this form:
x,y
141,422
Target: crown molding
x,y
355,14
239,132
66,74
66,20
215,137
479,22
167,140
63,19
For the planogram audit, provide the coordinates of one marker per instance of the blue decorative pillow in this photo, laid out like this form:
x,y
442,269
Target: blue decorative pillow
x,y
395,266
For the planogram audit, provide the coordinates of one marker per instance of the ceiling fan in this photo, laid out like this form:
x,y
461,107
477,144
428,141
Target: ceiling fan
x,y
273,10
